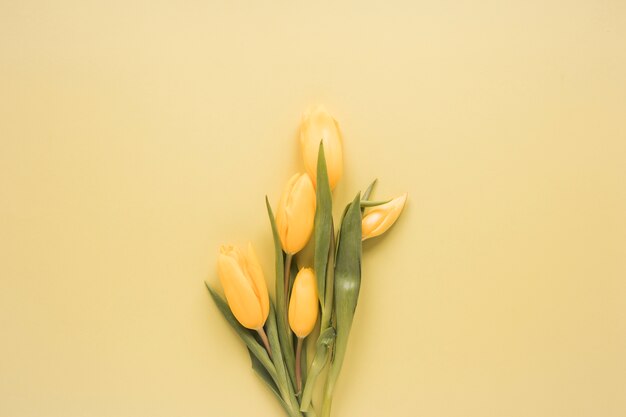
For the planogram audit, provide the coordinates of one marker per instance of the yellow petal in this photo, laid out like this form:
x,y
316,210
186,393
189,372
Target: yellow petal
x,y
381,218
241,298
282,219
234,253
318,125
303,306
258,278
296,213
301,212
371,221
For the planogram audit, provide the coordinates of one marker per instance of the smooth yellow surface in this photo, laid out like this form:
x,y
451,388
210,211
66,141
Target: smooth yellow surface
x,y
295,213
303,303
379,219
319,126
243,282
136,137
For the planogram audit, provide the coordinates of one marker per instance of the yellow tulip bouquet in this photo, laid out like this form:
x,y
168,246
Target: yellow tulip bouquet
x,y
275,333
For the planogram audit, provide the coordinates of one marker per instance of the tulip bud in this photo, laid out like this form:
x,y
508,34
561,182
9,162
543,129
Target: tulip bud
x,y
244,286
296,213
318,125
303,305
378,220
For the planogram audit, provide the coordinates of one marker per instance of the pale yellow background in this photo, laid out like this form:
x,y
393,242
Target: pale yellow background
x,y
135,137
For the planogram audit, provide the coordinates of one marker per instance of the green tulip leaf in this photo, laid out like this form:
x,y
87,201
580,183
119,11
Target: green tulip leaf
x,y
255,348
323,226
267,378
283,382
373,203
343,215
326,338
284,333
348,269
368,192
347,286
323,346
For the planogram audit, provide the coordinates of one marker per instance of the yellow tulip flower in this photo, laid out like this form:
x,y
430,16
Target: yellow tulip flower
x,y
244,286
295,213
318,125
303,310
303,306
380,218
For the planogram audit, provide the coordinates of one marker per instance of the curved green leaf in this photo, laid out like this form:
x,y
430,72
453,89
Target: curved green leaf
x,y
323,226
284,333
347,286
267,378
246,335
283,382
373,203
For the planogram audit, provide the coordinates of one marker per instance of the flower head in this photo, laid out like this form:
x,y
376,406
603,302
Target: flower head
x,y
303,307
296,213
318,125
379,219
244,285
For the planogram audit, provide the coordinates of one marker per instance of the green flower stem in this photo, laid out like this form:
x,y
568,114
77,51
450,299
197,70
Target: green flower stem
x,y
266,342
335,369
299,366
316,367
307,394
328,398
322,353
288,259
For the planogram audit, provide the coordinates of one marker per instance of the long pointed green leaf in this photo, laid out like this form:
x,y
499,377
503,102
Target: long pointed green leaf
x,y
348,269
283,380
324,254
284,333
245,334
267,378
347,286
343,216
323,225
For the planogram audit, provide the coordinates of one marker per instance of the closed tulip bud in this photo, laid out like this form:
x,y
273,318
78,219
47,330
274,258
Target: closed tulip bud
x,y
303,305
318,125
244,286
378,220
296,213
